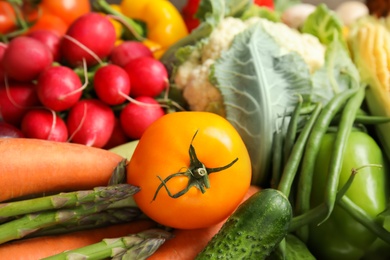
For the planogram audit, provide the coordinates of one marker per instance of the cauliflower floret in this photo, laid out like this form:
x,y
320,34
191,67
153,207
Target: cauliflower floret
x,y
193,75
306,45
200,94
186,69
221,37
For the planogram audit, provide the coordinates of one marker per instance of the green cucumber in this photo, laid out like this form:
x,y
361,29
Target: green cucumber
x,y
253,230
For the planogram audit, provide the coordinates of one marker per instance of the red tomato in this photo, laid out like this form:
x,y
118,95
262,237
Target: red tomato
x,y
182,149
51,22
68,10
7,17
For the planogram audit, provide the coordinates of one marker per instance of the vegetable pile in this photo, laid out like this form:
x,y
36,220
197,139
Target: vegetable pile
x,y
90,84
229,129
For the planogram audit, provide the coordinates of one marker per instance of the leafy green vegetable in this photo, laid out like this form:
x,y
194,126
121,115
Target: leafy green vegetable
x,y
281,5
259,85
296,249
260,11
260,77
339,72
325,24
221,8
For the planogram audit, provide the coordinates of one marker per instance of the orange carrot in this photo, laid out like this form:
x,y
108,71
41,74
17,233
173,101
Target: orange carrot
x,y
40,247
32,166
187,243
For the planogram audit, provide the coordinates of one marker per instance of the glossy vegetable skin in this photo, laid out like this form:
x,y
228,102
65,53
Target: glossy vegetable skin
x,y
187,243
254,230
49,21
265,3
341,237
28,16
163,150
68,10
35,167
188,13
7,17
164,23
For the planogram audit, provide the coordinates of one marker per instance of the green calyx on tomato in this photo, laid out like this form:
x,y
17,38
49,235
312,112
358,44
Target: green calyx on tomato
x,y
197,173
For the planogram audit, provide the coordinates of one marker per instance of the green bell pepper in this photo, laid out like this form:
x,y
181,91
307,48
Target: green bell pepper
x,y
341,236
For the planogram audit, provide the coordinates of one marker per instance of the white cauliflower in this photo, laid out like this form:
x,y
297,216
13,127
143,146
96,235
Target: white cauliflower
x,y
193,75
306,45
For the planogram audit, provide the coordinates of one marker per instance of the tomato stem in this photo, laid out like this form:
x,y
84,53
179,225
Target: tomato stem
x,y
197,173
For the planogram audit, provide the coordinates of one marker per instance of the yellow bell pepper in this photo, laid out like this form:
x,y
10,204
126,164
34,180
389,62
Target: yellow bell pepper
x,y
164,23
154,47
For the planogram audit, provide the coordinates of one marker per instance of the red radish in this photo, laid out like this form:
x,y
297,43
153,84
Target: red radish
x,y
15,100
25,58
59,88
3,46
9,131
90,122
44,124
127,51
112,84
148,76
136,116
49,38
118,136
91,33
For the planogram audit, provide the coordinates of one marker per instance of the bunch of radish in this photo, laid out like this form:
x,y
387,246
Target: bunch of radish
x,y
80,87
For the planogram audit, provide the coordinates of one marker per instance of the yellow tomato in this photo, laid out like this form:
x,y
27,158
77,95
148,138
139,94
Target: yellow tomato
x,y
193,169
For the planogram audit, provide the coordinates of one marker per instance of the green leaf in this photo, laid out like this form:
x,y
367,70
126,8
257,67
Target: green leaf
x,y
260,11
282,5
325,25
217,9
338,74
259,84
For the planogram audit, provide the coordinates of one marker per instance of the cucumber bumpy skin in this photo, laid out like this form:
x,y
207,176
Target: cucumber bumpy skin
x,y
253,230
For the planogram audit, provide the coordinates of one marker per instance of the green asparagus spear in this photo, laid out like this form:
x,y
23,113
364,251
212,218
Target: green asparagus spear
x,y
66,200
119,174
99,219
30,223
135,246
